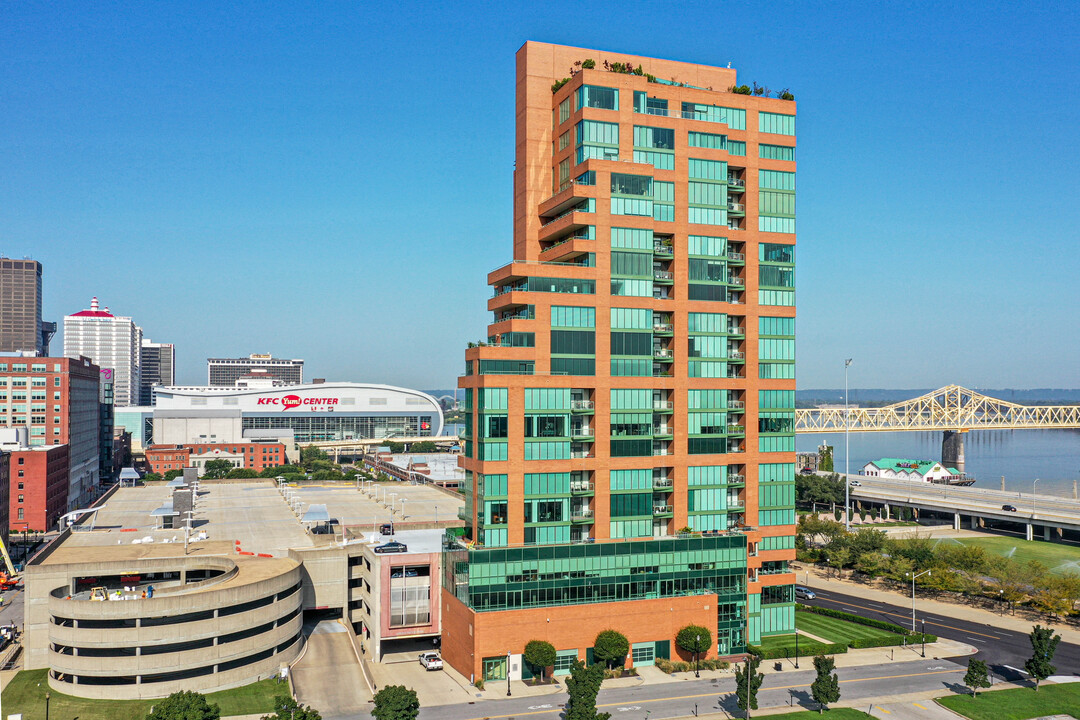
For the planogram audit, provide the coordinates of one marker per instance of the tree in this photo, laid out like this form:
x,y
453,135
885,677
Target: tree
x,y
694,639
217,469
285,708
273,472
184,705
1056,595
976,676
838,558
151,477
582,687
242,473
611,647
395,702
826,686
1043,646
825,463
395,447
424,446
540,654
819,531
310,455
747,682
172,475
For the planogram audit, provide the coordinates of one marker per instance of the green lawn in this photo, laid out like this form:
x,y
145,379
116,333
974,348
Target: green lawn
x,y
836,630
807,646
1017,703
1056,556
26,694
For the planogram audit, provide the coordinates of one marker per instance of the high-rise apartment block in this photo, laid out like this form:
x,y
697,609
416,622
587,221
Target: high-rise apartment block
x,y
630,448
227,372
110,341
157,366
21,328
56,400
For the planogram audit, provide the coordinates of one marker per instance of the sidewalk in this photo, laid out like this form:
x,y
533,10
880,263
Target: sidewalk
x,y
874,592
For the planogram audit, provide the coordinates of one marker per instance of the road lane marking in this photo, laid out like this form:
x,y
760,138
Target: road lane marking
x,y
882,709
976,640
715,693
886,612
1016,669
918,706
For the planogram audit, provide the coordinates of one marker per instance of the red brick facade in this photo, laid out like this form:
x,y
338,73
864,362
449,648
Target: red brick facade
x,y
38,481
257,455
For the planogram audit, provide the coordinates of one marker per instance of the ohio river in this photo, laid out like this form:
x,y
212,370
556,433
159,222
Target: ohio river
x,y
1053,456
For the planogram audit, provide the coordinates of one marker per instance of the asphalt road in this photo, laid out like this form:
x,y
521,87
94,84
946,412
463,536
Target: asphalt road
x,y
1003,650
680,699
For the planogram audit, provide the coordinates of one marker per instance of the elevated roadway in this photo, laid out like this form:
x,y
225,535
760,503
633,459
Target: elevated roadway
x,y
971,503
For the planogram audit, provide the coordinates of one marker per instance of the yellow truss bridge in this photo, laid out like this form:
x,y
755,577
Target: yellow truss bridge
x,y
949,408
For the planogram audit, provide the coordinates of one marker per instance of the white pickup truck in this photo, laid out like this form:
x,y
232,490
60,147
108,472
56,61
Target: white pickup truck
x,y
431,660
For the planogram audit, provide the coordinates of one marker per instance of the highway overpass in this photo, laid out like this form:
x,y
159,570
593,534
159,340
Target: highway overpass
x,y
971,506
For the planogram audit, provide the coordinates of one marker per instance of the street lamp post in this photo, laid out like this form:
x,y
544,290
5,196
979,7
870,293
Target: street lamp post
x,y
1033,484
924,637
796,649
913,576
847,451
507,673
697,650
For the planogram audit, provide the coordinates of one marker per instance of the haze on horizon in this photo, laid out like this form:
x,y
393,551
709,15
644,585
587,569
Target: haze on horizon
x,y
334,182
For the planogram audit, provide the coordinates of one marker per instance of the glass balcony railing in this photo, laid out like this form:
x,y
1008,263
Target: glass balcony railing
x,y
580,454
735,330
663,483
736,256
663,405
662,510
581,405
662,353
663,249
581,487
663,328
736,207
663,275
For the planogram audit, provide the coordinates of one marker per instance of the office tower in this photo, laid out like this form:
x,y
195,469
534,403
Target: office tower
x,y
157,366
111,342
56,400
21,327
630,421
225,372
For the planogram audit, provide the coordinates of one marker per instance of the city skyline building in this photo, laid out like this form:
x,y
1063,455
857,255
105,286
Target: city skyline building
x,y
228,372
21,326
157,366
630,447
111,342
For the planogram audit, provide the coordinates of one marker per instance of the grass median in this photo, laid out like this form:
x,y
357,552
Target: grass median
x,y
1016,703
26,694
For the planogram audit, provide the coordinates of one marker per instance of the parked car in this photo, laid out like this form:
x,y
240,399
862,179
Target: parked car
x,y
855,483
1009,508
804,592
392,547
431,661
806,471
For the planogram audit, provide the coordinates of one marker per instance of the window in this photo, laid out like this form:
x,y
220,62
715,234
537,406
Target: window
x,y
776,123
776,152
594,96
706,140
580,317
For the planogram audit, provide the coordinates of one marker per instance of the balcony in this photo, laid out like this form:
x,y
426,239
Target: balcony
x,y
580,454
736,429
735,478
581,515
663,328
734,182
736,207
581,406
735,447
736,355
735,330
664,277
660,372
582,432
663,249
736,280
660,450
662,483
663,354
663,511
662,431
737,257
582,487
735,373
664,406
734,502
736,404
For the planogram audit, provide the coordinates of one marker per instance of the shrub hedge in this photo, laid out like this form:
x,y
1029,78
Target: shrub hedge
x,y
806,649
669,666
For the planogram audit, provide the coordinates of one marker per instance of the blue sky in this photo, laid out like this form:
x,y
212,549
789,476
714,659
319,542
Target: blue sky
x,y
332,181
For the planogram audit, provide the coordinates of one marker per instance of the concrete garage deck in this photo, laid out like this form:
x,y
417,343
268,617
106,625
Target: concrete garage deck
x,y
328,677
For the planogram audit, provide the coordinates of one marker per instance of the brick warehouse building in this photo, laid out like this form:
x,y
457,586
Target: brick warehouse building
x,y
630,449
57,400
39,486
254,455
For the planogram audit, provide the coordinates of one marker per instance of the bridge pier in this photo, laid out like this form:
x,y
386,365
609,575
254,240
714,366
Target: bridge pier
x,y
956,521
1046,533
952,449
1030,531
885,512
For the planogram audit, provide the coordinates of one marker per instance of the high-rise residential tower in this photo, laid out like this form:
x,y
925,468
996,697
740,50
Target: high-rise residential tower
x,y
21,327
630,448
111,342
157,366
225,372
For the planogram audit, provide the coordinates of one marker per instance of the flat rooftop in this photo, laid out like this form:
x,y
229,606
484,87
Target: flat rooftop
x,y
257,514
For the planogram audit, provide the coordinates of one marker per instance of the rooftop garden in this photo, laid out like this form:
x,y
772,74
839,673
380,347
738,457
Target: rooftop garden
x,y
628,68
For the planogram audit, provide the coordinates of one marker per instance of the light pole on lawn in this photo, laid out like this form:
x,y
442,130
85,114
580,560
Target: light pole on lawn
x,y
847,451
